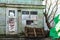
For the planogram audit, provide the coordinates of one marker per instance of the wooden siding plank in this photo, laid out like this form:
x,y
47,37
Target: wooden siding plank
x,y
23,6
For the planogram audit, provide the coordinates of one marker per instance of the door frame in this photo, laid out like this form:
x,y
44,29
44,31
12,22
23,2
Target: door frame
x,y
7,16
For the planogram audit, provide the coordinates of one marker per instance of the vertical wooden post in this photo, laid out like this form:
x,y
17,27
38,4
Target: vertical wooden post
x,y
35,32
42,32
26,32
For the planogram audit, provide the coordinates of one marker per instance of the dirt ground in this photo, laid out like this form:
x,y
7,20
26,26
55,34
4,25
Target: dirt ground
x,y
24,39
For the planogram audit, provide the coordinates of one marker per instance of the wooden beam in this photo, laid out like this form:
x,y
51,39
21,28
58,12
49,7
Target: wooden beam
x,y
23,6
2,4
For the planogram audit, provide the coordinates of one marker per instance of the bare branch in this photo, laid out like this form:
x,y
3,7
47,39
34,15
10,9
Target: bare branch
x,y
51,12
53,16
49,7
46,6
53,9
45,9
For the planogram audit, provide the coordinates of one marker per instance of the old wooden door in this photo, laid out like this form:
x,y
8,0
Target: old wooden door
x,y
11,21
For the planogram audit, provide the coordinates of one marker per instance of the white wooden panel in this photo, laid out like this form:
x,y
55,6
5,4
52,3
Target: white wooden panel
x,y
7,21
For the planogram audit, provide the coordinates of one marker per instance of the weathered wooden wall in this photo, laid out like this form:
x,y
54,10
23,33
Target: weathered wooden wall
x,y
2,20
3,10
39,19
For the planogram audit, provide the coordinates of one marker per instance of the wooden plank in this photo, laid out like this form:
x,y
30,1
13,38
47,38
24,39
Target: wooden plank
x,y
35,32
23,6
